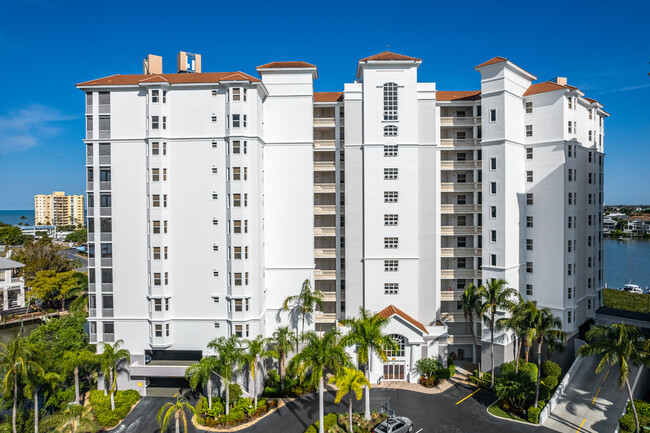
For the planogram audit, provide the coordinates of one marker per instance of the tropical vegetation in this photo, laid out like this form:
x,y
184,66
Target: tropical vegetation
x,y
349,381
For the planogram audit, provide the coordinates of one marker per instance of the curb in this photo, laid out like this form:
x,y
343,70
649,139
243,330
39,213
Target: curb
x,y
507,419
281,402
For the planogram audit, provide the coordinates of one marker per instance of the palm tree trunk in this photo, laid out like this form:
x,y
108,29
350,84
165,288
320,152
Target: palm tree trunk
x,y
366,413
539,371
76,385
350,412
255,389
227,397
35,412
517,356
13,410
178,423
321,409
282,371
210,391
527,351
478,361
492,348
112,391
631,397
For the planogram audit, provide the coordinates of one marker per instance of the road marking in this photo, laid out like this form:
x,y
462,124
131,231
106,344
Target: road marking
x,y
606,375
418,431
583,421
592,401
469,396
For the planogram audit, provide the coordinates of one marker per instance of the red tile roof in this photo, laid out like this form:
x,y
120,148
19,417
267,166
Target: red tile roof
x,y
273,65
206,77
387,55
493,61
392,310
328,96
641,217
458,95
546,86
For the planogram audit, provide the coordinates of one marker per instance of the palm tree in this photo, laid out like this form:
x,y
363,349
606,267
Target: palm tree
x,y
543,324
74,418
200,374
619,345
72,360
255,353
304,303
282,342
16,358
366,333
176,410
348,382
35,379
319,354
229,354
471,304
495,296
113,360
519,323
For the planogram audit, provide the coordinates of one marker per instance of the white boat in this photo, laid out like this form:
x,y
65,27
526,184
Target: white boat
x,y
632,288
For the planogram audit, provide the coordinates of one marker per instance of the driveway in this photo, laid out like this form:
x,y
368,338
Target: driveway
x,y
592,403
436,413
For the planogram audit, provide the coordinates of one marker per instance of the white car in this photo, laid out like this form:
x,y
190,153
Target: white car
x,y
399,424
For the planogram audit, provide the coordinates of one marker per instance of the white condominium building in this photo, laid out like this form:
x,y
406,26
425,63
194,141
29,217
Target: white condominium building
x,y
220,193
59,209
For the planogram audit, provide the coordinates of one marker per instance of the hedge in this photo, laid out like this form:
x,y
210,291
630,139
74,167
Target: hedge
x,y
533,415
101,406
329,421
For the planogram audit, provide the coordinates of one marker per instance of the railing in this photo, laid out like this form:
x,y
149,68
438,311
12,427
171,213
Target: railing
x,y
460,165
460,230
89,160
460,252
324,209
329,297
461,339
107,287
453,295
324,166
460,208
325,187
329,143
93,337
452,317
320,317
104,133
450,274
324,121
324,231
325,274
460,187
89,109
466,142
460,121
323,253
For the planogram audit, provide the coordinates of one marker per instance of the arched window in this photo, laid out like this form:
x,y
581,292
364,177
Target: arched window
x,y
390,101
399,341
390,131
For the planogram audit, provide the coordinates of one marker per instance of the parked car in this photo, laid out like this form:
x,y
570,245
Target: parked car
x,y
398,424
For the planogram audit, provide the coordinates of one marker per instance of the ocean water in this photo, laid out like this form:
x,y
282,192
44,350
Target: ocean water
x,y
626,261
13,216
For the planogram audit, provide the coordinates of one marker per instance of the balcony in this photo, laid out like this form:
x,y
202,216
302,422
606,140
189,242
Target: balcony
x,y
320,317
460,187
467,143
325,274
107,312
324,122
324,188
325,144
462,339
460,230
451,295
460,252
459,165
325,253
452,317
325,209
460,208
451,274
324,231
324,166
329,296
460,121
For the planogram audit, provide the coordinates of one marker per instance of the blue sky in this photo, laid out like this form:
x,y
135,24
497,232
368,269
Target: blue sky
x,y
47,46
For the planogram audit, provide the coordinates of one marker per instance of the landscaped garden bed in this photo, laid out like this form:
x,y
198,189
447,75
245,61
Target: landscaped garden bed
x,y
292,386
432,373
241,411
339,423
101,406
626,423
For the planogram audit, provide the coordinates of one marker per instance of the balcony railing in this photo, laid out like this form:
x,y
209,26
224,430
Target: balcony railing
x,y
460,230
324,144
105,186
460,187
451,295
460,208
329,297
462,143
325,274
324,231
93,337
460,252
324,253
320,317
324,209
460,121
451,274
324,166
452,317
324,122
325,188
460,165
462,339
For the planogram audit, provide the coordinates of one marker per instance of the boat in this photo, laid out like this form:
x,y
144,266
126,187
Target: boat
x,y
620,238
631,288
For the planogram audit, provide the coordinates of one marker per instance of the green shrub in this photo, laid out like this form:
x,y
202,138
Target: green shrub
x,y
428,366
234,392
329,421
312,429
550,381
626,423
533,415
217,410
626,301
273,379
101,406
544,392
429,381
642,407
550,368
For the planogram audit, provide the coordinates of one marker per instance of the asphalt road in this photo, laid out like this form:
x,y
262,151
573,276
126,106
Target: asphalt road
x,y
71,254
430,413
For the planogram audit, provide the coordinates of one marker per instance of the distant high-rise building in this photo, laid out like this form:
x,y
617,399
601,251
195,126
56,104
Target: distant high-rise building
x,y
59,209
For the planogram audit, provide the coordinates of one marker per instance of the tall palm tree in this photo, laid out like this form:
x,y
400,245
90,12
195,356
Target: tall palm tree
x,y
35,379
229,355
282,342
519,324
619,345
366,333
471,304
350,381
543,324
304,303
74,418
73,360
200,374
256,352
320,354
113,360
176,410
16,358
496,295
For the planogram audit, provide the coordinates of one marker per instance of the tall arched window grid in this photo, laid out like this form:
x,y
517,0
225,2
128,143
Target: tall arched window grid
x,y
390,101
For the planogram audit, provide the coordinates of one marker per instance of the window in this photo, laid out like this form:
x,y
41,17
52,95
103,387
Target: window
x,y
215,196
245,147
529,289
569,269
461,156
390,174
104,126
590,177
461,178
238,305
236,226
461,221
569,245
570,171
237,253
391,243
236,149
157,305
570,127
529,107
493,187
235,121
236,200
391,265
391,288
529,153
391,197
529,130
238,331
245,199
460,135
155,148
461,199
529,267
391,219
493,115
155,96
390,150
591,156
214,119
570,101
588,304
164,96
244,123
91,175
390,101
155,200
589,219
105,200
529,176
156,227
461,263
155,174
493,259
590,114
568,293
214,144
390,131
570,198
568,316
156,253
164,123
590,136
107,251
236,94
461,242
155,122
156,279
493,235
91,251
493,163
107,275
105,225
214,93
529,244
493,211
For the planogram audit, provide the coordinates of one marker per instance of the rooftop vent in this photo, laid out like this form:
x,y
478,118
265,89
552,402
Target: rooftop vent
x,y
189,62
152,64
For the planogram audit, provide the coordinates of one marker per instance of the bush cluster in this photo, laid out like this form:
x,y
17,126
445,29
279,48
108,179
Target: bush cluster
x,y
329,421
101,406
242,411
626,423
432,372
533,414
292,386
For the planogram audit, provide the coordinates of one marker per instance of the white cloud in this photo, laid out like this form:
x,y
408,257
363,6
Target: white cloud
x,y
624,89
25,128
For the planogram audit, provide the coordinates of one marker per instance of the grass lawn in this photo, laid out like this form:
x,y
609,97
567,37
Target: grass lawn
x,y
497,411
626,301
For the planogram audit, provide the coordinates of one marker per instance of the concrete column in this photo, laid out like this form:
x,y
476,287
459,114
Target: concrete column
x,y
5,299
